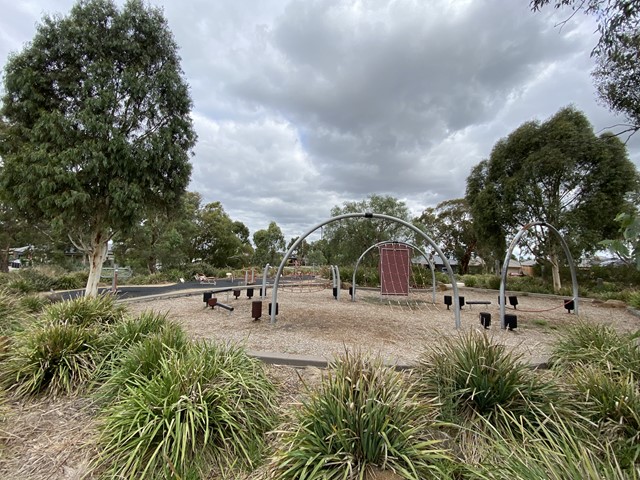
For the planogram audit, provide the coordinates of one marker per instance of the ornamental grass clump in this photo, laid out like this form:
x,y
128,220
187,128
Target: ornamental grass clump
x,y
61,351
550,447
85,311
56,358
13,315
598,345
205,405
135,348
612,402
472,377
362,418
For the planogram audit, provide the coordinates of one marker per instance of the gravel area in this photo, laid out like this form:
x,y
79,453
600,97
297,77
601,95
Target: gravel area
x,y
311,322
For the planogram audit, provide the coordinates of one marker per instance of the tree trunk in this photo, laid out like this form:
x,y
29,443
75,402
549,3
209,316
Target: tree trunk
x,y
555,272
97,255
151,264
4,260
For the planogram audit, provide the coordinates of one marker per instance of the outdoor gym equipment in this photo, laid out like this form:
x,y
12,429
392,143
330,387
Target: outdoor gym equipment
x,y
505,266
368,215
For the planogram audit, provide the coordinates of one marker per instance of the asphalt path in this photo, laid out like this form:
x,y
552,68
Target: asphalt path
x,y
137,291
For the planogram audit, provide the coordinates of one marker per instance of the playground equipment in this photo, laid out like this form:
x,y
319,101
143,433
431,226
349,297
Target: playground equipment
x,y
367,215
379,244
505,266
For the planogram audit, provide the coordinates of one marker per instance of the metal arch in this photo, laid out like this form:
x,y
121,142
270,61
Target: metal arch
x,y
505,265
386,242
456,300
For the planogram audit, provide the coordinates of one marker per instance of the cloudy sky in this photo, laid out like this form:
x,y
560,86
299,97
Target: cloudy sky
x,y
301,105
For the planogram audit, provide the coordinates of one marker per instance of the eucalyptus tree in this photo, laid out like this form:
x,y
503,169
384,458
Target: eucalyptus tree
x,y
617,52
220,241
559,172
450,225
349,238
96,123
269,245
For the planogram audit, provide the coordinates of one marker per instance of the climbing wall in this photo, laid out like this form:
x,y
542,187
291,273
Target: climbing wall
x,y
395,267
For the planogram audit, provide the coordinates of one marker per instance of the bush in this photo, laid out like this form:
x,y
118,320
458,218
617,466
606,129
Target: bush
x,y
34,303
12,313
135,348
52,357
362,416
85,311
548,447
472,377
71,281
31,280
208,403
597,345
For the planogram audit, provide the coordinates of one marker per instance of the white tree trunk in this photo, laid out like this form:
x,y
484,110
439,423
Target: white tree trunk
x,y
97,254
555,272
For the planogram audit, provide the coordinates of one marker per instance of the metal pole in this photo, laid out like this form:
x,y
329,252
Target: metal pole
x,y
456,299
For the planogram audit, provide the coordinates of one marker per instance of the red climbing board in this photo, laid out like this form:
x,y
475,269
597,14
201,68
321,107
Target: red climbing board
x,y
395,266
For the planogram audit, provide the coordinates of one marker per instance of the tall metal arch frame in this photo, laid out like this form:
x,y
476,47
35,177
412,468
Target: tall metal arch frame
x,y
456,300
388,242
505,265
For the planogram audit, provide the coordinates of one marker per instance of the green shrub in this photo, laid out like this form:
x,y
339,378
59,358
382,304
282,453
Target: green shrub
x,y
634,299
71,281
135,347
34,303
472,377
469,280
598,345
31,280
362,416
87,311
12,312
548,447
54,358
210,403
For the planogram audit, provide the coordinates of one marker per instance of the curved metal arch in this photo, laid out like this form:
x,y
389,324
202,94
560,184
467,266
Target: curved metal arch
x,y
505,265
387,242
456,300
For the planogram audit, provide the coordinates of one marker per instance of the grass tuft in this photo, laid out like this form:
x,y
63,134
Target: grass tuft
x,y
85,311
362,417
597,345
204,404
53,358
470,376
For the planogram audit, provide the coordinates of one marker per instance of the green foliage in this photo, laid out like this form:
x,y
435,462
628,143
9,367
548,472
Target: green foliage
x,y
12,313
208,403
362,416
597,345
58,358
348,238
559,172
269,245
96,92
548,446
34,303
627,246
450,226
614,398
31,280
71,281
151,279
470,376
134,348
616,52
85,311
